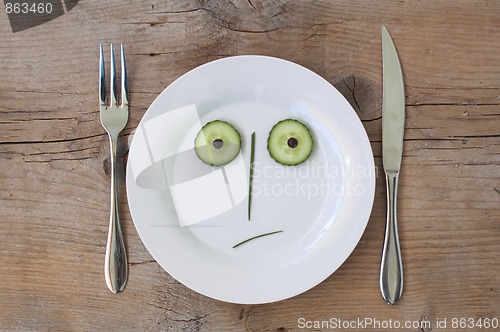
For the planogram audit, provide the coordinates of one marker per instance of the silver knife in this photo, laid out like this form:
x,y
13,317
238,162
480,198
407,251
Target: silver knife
x,y
393,120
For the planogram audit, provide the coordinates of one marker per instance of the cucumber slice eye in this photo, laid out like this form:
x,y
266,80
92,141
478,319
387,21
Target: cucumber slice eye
x,y
290,142
217,143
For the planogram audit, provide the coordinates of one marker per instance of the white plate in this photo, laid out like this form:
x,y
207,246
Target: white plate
x,y
322,206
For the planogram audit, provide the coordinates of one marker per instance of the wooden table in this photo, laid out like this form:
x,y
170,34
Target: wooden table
x,y
54,160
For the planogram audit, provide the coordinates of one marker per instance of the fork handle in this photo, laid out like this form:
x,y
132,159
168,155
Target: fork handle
x,y
391,267
115,262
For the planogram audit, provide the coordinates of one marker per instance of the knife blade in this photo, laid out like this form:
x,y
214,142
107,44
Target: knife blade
x,y
393,119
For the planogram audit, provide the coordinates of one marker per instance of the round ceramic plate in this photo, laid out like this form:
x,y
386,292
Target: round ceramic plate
x,y
318,209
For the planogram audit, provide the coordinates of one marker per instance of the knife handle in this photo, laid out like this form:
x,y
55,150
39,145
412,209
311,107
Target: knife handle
x,y
391,266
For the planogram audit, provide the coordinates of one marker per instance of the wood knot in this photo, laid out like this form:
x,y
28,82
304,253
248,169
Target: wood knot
x,y
121,163
364,95
106,166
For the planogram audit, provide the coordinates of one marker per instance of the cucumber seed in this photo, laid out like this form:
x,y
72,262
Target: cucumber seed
x,y
218,143
293,142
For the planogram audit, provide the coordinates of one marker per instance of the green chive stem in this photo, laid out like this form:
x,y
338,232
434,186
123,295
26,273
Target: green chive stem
x,y
250,180
497,190
256,237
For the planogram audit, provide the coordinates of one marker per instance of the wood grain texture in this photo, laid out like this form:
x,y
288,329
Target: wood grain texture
x,y
54,172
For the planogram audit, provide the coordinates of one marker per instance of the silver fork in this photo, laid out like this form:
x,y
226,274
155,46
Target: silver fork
x,y
114,117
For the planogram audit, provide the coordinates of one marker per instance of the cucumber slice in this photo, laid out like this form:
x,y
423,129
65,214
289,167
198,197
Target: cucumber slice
x,y
290,142
217,143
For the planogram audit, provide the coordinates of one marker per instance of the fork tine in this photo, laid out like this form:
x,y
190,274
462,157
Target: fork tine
x,y
102,84
112,73
124,79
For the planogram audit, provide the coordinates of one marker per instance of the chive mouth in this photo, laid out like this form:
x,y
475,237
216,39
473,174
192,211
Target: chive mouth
x,y
255,237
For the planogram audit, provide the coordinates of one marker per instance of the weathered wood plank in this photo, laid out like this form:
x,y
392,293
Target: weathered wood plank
x,y
54,172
